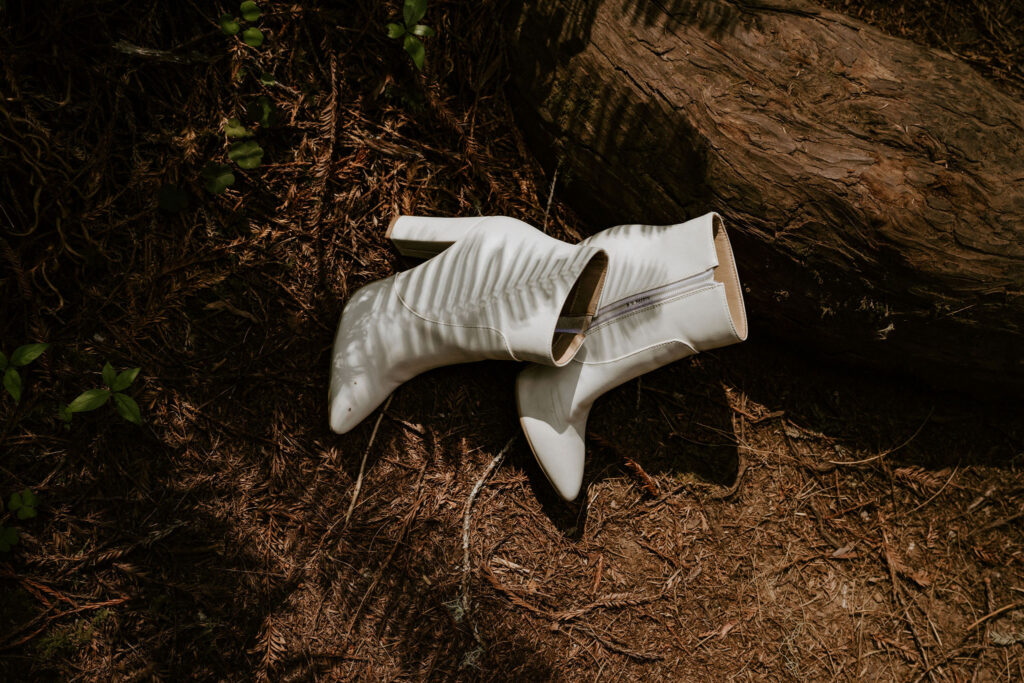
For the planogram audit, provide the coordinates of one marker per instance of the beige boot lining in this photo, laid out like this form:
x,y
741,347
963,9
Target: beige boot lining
x,y
726,274
580,306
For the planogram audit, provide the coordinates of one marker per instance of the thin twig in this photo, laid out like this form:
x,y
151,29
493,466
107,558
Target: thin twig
x,y
996,524
160,55
52,618
936,494
741,466
891,450
362,465
406,523
551,196
558,620
995,613
466,523
961,648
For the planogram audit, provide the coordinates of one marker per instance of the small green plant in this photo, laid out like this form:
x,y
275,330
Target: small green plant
x,y
411,32
22,356
247,154
235,129
96,398
263,111
250,11
231,26
252,36
242,150
23,506
8,537
217,178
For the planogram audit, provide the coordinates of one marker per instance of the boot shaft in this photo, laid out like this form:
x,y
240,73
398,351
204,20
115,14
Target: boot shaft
x,y
502,274
500,290
666,284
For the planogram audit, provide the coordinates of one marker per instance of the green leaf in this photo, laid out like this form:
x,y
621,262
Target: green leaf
x,y
395,30
109,375
422,31
229,25
28,498
263,112
414,11
247,154
3,361
235,129
172,198
414,47
253,37
12,383
8,538
125,379
128,408
24,504
267,79
64,413
23,355
218,178
89,400
250,11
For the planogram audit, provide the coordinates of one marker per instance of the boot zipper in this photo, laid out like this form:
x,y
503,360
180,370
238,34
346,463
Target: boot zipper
x,y
645,299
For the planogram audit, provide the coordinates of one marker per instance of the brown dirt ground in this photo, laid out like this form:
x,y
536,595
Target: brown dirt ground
x,y
717,538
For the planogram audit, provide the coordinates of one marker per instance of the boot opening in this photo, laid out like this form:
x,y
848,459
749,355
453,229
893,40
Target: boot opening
x,y
579,309
726,274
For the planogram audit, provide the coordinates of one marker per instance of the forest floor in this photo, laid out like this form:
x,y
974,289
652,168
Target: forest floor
x,y
754,513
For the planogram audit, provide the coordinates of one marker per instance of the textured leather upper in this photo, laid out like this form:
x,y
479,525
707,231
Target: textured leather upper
x,y
495,294
505,276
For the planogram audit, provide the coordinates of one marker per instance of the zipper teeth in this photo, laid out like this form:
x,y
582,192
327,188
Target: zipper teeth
x,y
641,300
651,297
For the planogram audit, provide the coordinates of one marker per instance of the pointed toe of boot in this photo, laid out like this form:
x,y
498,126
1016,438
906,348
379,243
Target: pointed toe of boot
x,y
560,451
347,411
354,396
360,378
557,441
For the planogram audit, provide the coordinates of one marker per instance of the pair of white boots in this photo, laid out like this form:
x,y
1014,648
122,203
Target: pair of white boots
x,y
587,317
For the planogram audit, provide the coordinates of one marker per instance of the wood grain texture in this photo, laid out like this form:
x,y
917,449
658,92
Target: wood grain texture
x,y
874,187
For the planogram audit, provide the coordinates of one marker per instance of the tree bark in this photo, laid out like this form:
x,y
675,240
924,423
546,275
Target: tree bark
x,y
874,188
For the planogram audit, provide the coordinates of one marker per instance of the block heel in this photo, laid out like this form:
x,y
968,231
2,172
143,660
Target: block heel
x,y
419,237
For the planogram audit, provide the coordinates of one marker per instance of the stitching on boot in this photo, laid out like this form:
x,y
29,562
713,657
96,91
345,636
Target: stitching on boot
x,y
471,327
638,351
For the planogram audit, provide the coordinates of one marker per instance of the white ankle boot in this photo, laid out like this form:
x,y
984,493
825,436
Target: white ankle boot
x,y
503,291
671,291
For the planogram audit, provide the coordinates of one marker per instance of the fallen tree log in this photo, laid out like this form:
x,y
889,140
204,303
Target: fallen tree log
x,y
874,188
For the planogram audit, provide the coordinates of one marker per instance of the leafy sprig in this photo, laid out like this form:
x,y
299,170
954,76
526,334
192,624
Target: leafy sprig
x,y
411,32
22,356
242,148
22,505
232,26
97,398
